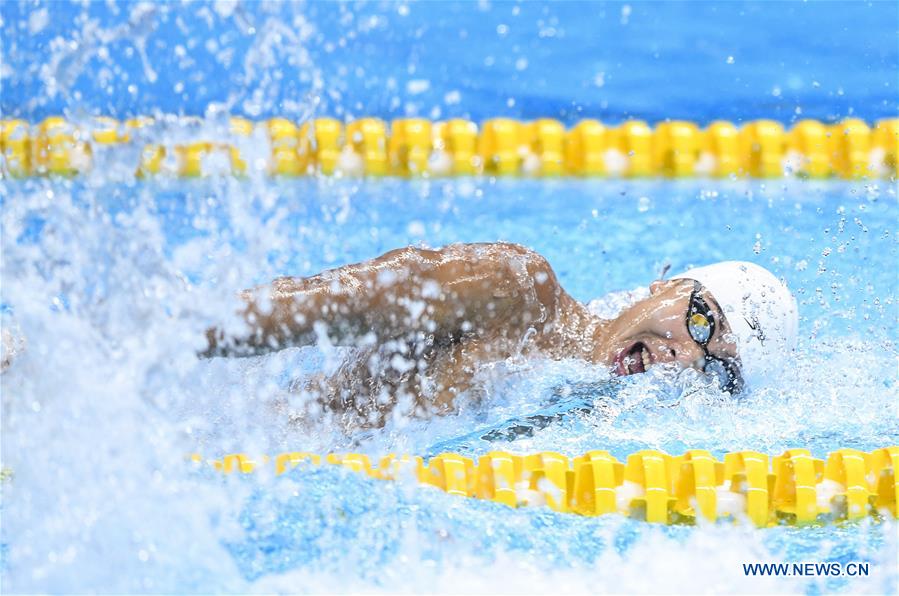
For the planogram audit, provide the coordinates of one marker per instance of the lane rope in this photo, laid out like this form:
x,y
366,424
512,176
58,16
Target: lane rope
x,y
792,488
417,147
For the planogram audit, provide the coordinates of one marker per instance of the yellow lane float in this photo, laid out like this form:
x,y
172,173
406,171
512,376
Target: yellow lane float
x,y
416,147
792,488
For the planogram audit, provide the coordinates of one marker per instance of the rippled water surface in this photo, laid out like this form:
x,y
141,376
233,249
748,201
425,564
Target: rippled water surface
x,y
112,286
112,281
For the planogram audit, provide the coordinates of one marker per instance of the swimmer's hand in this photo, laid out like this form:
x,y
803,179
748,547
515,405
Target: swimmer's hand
x,y
408,294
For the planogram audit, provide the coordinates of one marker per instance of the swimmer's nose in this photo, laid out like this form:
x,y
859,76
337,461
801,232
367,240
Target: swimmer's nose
x,y
686,353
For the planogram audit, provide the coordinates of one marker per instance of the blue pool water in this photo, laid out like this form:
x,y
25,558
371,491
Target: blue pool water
x,y
112,282
652,60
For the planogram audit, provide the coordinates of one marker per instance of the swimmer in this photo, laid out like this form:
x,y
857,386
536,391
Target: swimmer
x,y
424,320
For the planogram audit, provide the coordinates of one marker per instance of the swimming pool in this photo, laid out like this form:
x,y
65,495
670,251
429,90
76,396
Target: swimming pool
x,y
112,282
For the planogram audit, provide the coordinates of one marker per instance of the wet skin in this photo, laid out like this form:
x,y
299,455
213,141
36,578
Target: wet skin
x,y
423,320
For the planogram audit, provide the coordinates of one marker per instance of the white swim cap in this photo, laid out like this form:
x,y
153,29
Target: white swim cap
x,y
760,310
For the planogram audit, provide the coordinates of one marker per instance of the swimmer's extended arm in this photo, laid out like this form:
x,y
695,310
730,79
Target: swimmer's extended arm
x,y
407,293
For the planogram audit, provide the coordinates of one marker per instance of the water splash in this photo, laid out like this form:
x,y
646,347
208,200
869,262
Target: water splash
x,y
113,283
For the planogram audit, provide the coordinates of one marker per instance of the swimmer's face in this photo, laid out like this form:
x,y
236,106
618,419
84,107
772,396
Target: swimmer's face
x,y
654,331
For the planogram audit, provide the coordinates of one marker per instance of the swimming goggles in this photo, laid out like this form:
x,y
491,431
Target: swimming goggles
x,y
701,325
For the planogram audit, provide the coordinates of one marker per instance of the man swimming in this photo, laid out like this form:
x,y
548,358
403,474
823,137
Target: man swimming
x,y
423,320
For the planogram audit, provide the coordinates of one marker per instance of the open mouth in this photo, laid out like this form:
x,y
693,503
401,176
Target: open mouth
x,y
634,360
